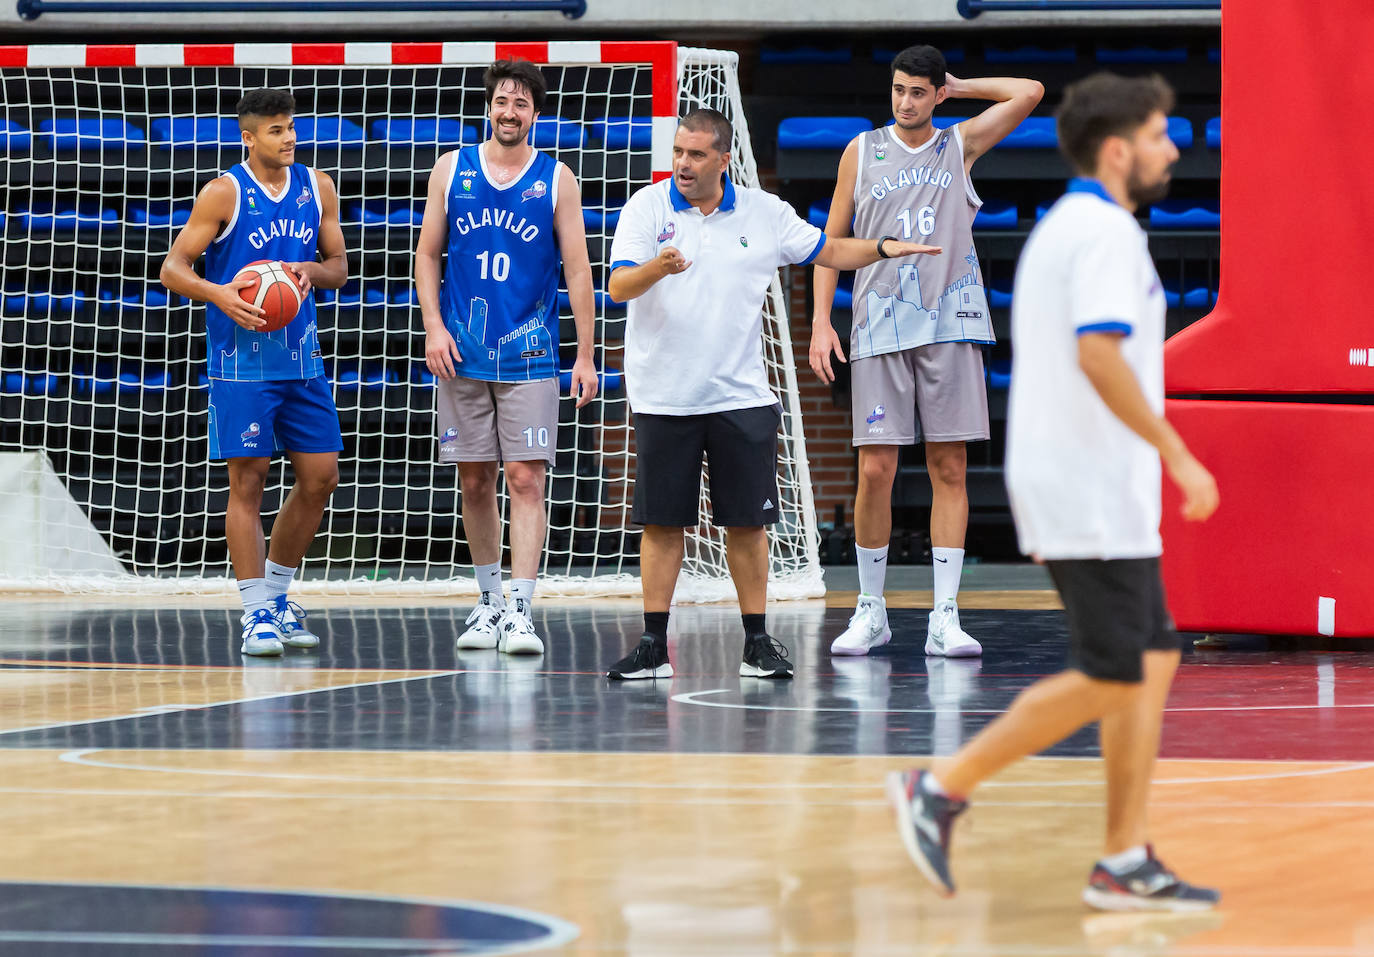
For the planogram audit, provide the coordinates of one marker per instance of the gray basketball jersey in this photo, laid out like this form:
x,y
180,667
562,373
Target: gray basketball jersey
x,y
924,196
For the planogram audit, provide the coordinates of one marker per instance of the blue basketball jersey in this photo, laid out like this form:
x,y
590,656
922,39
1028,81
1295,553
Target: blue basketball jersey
x,y
500,292
283,229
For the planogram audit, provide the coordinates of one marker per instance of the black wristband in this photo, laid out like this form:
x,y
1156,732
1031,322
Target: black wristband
x,y
881,254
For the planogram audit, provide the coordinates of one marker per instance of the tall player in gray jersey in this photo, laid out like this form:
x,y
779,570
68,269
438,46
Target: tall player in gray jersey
x,y
919,327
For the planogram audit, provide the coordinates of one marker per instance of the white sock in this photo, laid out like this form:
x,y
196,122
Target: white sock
x,y
278,578
522,588
489,580
872,570
932,786
255,594
1127,860
949,565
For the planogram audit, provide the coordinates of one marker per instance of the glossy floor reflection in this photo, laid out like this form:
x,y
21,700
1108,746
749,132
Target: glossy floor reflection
x,y
143,761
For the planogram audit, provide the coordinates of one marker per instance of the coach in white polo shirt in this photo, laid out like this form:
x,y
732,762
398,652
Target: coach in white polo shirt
x,y
1085,437
694,257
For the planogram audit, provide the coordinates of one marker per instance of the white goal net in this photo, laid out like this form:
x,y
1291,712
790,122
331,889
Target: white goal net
x,y
103,371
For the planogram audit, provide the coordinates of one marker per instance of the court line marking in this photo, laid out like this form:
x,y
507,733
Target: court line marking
x,y
83,757
219,704
693,697
632,801
559,931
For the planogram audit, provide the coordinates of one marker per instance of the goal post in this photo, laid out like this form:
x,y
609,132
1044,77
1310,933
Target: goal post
x,y
103,370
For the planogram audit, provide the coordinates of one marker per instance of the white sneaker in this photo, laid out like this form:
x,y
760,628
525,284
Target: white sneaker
x,y
482,625
517,631
260,635
289,616
944,637
867,629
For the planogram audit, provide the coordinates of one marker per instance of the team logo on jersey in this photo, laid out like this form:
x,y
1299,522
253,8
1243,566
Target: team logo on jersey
x,y
940,146
877,414
449,437
252,432
303,198
668,233
744,242
537,191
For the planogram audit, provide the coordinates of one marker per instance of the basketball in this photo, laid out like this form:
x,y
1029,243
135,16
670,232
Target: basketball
x,y
274,289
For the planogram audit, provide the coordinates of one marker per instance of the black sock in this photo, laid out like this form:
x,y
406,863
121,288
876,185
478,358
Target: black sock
x,y
753,625
656,624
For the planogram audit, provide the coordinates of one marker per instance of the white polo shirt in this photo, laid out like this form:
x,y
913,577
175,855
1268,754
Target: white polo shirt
x,y
694,341
1083,485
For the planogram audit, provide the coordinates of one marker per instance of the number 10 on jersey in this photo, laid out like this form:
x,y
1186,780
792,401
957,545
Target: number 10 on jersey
x,y
500,265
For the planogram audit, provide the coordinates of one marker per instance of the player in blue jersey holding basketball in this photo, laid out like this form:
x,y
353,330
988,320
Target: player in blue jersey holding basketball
x,y
508,216
268,391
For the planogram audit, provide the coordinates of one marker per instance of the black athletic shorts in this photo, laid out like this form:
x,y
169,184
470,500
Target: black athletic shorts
x,y
741,448
1116,611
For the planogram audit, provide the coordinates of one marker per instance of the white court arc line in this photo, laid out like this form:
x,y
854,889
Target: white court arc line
x,y
174,709
83,757
559,931
693,697
628,801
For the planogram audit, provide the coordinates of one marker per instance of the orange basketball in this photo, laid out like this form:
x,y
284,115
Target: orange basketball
x,y
274,289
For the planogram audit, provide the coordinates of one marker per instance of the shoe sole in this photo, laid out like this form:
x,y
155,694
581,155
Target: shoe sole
x,y
311,642
753,671
933,651
475,644
662,671
896,795
264,653
514,648
837,649
1108,901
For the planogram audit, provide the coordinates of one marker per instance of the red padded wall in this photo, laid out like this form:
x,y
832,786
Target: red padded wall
x,y
1297,205
1295,524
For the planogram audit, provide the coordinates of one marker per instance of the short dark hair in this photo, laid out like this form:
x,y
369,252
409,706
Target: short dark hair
x,y
703,120
923,61
265,102
524,73
1103,105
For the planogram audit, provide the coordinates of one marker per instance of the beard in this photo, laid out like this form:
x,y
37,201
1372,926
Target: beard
x,y
510,136
1143,193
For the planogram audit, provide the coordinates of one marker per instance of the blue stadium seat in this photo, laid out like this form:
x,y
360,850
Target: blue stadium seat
x,y
328,131
1185,214
604,301
404,298
373,378
443,133
999,294
1030,53
608,380
844,291
421,376
159,214
596,217
1032,133
15,302
380,213
554,132
13,137
1214,133
999,374
89,133
1194,297
805,55
1141,53
55,305
623,132
996,215
820,132
85,218
1181,132
885,55
1214,54
195,132
819,213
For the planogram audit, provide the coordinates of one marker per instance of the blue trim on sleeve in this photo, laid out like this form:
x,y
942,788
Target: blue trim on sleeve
x,y
820,244
621,262
1112,325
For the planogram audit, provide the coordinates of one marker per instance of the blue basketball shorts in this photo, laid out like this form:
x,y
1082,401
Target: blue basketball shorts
x,y
256,419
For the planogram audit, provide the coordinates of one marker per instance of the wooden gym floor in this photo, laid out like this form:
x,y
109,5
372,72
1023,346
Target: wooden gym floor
x,y
162,795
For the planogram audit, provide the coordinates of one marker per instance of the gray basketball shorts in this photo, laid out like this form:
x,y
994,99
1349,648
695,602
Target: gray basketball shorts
x,y
482,421
942,382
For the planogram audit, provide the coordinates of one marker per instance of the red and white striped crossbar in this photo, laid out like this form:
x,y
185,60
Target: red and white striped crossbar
x,y
661,55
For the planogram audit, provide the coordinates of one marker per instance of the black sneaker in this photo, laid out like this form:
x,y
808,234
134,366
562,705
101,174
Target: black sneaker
x,y
764,657
924,821
648,660
1150,886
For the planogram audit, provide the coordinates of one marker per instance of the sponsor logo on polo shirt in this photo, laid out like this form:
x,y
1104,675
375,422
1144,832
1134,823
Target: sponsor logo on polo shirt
x,y
744,242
